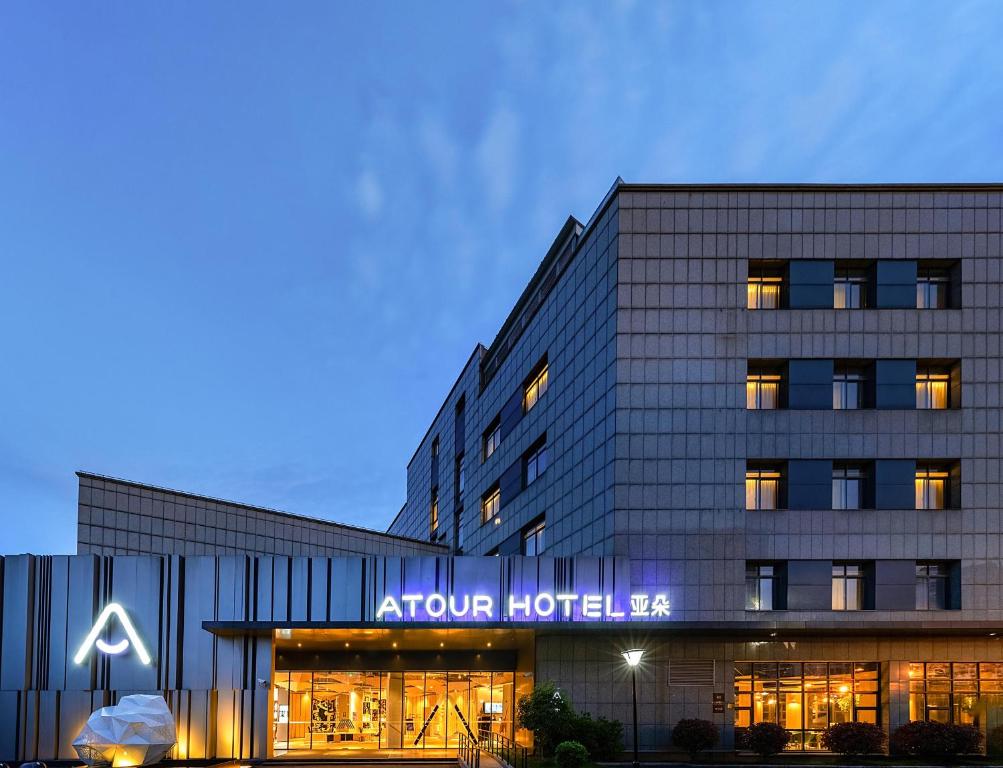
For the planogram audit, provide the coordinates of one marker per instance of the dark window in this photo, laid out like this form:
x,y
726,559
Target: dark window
x,y
535,388
435,448
933,387
763,487
933,288
535,462
491,438
461,476
763,387
850,288
849,386
763,587
849,486
533,541
766,284
493,552
933,586
850,586
490,505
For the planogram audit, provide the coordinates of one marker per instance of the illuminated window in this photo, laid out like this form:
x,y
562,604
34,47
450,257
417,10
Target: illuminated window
x,y
533,538
849,387
535,389
933,287
762,488
953,692
535,462
849,486
764,291
806,697
933,386
932,487
933,586
433,524
849,586
762,585
490,504
849,289
491,438
762,389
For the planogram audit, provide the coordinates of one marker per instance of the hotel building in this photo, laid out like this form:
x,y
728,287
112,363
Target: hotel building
x,y
753,430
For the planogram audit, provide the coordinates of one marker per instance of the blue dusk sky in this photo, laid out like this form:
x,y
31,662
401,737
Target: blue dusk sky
x,y
247,247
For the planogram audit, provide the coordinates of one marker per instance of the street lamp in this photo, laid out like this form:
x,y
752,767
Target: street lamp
x,y
633,658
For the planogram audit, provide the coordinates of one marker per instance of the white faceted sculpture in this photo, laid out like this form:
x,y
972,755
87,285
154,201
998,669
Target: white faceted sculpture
x,y
139,730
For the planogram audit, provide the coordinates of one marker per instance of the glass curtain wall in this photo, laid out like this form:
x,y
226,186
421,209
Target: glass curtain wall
x,y
335,710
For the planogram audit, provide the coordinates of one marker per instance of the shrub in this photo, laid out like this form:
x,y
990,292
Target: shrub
x,y
548,715
765,739
994,744
571,754
601,737
854,738
920,738
693,736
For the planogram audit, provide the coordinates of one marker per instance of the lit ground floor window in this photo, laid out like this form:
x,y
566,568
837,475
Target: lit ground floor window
x,y
952,692
806,697
349,710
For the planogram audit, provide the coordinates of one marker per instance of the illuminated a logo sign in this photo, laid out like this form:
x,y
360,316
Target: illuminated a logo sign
x,y
543,605
112,649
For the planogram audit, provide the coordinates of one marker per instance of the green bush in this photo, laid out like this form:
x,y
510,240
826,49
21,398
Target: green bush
x,y
994,744
765,739
693,736
854,739
571,754
553,720
927,739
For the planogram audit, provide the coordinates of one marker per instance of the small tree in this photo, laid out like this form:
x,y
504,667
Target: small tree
x,y
930,739
766,739
601,737
694,736
571,754
853,739
549,715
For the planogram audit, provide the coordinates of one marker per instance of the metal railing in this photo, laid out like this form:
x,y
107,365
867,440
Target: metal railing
x,y
508,751
468,753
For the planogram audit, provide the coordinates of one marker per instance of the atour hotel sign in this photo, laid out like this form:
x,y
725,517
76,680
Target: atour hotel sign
x,y
541,606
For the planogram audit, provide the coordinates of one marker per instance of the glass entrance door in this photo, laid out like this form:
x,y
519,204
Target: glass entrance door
x,y
341,711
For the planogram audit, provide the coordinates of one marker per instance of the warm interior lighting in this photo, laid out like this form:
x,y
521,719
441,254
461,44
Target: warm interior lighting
x,y
633,656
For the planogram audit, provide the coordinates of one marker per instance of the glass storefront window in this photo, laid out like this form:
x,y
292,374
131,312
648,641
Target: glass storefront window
x,y
806,698
950,692
349,710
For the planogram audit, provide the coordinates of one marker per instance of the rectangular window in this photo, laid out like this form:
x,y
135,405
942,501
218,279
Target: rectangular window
x,y
806,697
762,487
849,586
953,692
461,476
763,387
849,387
765,287
533,538
535,462
490,505
491,438
762,587
435,448
933,288
932,487
535,389
933,387
850,288
933,586
849,486
433,523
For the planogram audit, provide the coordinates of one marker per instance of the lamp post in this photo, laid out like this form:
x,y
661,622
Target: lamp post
x,y
633,658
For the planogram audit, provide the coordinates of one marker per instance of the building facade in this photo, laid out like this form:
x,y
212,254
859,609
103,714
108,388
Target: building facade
x,y
754,430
